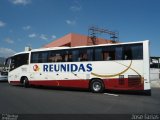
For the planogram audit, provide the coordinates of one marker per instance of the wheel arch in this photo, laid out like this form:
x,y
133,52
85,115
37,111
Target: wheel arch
x,y
93,79
22,78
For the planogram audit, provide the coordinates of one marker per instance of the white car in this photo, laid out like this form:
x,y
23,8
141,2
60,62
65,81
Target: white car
x,y
3,76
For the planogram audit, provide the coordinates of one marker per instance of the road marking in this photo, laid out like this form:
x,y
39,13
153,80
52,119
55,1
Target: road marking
x,y
111,94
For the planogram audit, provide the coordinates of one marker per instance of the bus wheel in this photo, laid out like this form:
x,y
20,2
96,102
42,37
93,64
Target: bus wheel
x,y
25,82
96,86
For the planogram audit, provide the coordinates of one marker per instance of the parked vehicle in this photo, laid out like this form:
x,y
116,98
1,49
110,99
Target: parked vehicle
x,y
3,76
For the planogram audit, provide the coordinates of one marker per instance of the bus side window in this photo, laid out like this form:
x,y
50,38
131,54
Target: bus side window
x,y
98,55
34,57
75,55
119,53
106,56
58,58
137,51
67,58
90,54
51,57
44,57
83,57
109,53
127,53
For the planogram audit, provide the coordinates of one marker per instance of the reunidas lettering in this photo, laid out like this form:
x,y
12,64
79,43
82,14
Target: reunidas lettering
x,y
67,68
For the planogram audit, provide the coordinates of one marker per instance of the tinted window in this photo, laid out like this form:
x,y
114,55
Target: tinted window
x,y
111,52
19,60
51,56
137,52
115,52
34,57
56,56
127,52
67,56
119,53
75,54
90,54
133,52
39,57
82,54
104,53
98,56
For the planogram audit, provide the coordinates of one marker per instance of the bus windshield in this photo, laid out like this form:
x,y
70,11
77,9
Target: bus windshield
x,y
19,60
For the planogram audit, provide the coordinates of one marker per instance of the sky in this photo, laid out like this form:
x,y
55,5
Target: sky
x,y
36,23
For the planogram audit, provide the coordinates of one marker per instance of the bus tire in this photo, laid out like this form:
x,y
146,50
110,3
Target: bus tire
x,y
97,86
25,82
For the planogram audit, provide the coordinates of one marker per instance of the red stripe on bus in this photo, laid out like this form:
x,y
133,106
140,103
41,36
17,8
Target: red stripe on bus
x,y
15,82
113,84
62,83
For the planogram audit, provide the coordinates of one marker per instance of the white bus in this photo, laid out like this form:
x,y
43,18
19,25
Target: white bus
x,y
122,66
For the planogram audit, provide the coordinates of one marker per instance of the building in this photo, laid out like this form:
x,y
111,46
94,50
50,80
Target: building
x,y
155,68
72,40
155,71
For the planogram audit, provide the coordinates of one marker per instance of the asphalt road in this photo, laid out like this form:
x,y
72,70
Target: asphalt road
x,y
19,100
